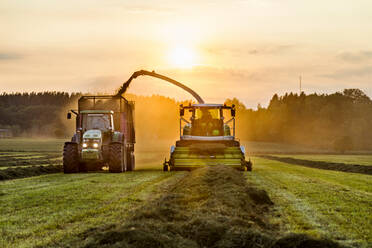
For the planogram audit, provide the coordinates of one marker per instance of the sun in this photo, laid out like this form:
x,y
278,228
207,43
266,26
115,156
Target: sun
x,y
182,57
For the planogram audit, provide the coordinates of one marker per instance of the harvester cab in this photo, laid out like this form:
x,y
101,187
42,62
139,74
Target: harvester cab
x,y
207,120
207,139
104,135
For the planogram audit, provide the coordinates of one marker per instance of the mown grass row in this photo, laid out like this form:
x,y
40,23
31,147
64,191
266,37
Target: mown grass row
x,y
319,202
18,165
35,158
325,165
339,158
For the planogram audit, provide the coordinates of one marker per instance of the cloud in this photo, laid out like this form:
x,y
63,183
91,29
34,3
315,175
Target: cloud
x,y
359,73
355,57
217,74
103,83
140,7
9,56
269,49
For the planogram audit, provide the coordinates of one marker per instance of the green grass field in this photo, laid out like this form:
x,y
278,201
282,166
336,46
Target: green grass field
x,y
40,210
31,145
319,202
57,208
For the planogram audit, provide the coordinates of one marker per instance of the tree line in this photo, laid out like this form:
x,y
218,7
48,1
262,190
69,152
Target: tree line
x,y
35,113
340,121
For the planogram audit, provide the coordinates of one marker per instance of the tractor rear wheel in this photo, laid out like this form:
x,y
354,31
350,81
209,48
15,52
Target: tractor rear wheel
x,y
70,158
83,167
116,159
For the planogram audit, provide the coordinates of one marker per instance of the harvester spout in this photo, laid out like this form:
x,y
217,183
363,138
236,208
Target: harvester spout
x,y
125,86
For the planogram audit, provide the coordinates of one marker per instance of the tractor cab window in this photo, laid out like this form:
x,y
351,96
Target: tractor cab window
x,y
97,121
207,122
207,114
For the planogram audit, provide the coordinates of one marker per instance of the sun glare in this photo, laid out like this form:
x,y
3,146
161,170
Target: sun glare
x,y
182,57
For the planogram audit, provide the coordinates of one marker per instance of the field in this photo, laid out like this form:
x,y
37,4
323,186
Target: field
x,y
277,205
319,202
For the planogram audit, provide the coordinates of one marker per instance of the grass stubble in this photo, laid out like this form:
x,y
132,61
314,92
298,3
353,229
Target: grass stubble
x,y
320,203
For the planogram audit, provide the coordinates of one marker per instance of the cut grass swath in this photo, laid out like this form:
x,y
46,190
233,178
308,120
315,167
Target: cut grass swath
x,y
355,168
333,158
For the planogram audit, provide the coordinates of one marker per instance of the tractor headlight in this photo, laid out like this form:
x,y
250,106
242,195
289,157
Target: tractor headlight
x,y
85,145
95,145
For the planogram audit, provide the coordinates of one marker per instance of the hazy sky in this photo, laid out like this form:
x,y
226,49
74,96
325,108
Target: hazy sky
x,y
249,49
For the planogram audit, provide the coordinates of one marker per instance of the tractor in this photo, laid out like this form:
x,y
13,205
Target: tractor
x,y
104,136
206,139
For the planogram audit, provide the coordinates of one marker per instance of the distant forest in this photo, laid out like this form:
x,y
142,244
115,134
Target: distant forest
x,y
340,121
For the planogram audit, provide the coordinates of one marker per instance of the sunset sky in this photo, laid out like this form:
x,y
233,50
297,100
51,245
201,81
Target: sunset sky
x,y
249,49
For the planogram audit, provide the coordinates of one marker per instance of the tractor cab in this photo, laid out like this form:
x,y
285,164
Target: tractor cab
x,y
207,121
94,125
97,120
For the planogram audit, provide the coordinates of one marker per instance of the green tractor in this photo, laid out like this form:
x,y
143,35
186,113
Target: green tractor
x,y
206,140
104,136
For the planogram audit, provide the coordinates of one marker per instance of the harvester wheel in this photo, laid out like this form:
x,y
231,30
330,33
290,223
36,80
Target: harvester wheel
x,y
249,165
70,158
116,160
131,163
133,160
166,165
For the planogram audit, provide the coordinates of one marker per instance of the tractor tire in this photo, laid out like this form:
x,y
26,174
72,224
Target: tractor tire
x,y
83,167
116,158
70,158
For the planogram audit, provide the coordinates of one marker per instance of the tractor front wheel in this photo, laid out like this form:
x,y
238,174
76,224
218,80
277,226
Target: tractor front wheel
x,y
116,159
70,158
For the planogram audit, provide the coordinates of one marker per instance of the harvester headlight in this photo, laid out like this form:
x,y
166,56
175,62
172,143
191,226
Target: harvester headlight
x,y
85,145
95,145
